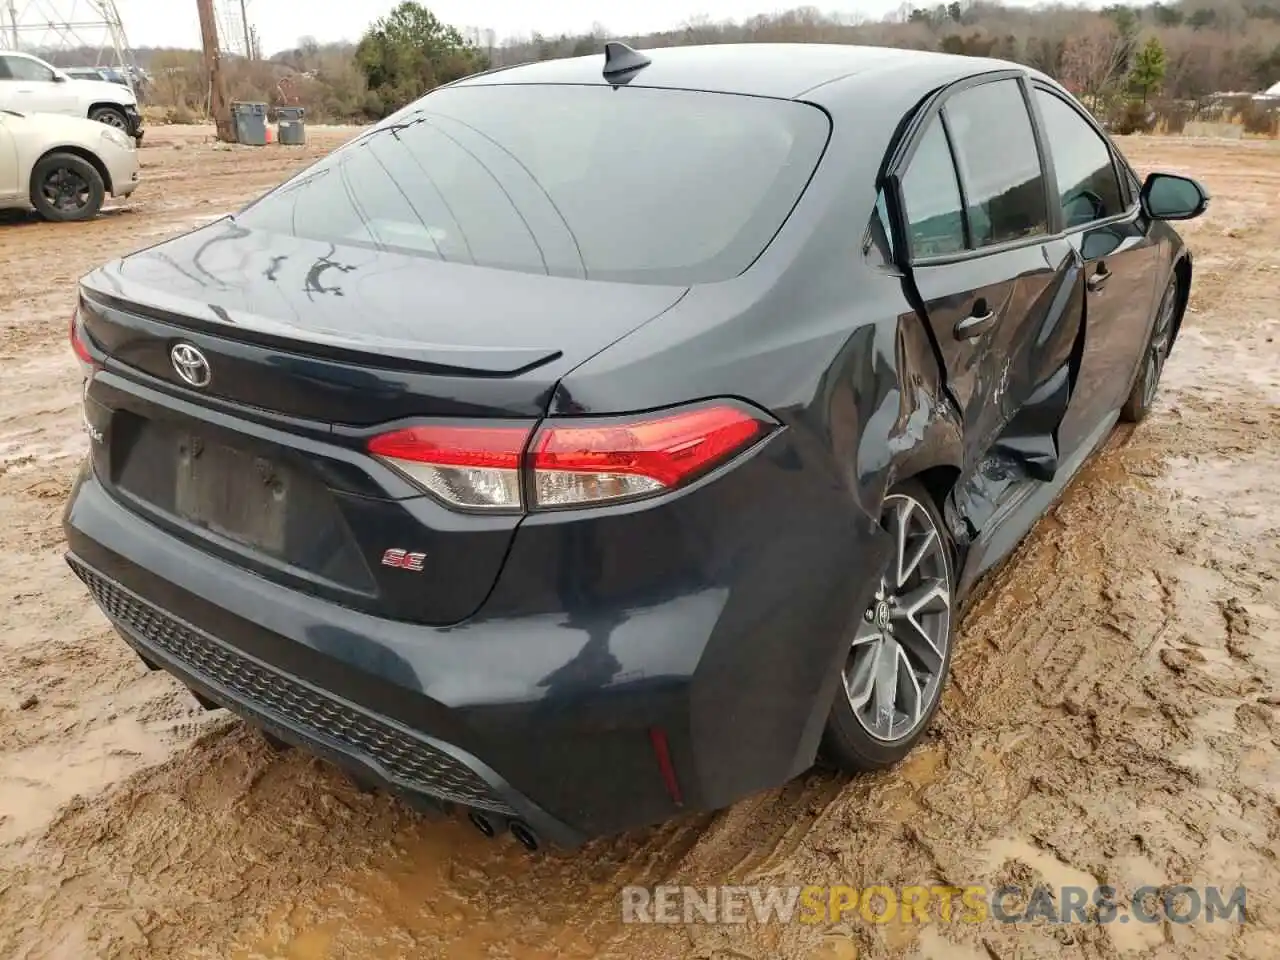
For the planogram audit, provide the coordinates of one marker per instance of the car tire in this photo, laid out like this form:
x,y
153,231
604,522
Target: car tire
x,y
1146,382
912,621
67,187
111,116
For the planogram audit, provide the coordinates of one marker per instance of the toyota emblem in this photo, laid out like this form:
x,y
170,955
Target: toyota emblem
x,y
191,365
883,615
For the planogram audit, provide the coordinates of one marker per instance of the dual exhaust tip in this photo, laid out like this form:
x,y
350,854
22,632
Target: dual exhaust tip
x,y
491,826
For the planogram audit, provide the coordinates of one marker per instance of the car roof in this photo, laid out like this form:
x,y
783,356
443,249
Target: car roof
x,y
785,70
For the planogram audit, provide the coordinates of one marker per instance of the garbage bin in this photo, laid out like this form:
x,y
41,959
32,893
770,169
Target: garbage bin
x,y
291,126
250,122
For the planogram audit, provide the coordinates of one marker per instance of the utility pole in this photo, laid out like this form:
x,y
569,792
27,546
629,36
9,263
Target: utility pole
x,y
248,36
218,105
13,22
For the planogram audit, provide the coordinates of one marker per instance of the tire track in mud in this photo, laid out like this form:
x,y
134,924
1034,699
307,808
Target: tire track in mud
x,y
1114,717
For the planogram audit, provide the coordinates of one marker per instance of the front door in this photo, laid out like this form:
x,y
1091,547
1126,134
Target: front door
x,y
1105,225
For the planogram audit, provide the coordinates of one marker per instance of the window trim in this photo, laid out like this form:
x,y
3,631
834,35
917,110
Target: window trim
x,y
1122,181
903,154
965,227
1043,160
912,131
900,201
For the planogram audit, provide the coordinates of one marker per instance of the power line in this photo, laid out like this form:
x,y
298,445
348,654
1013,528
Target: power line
x,y
235,31
74,28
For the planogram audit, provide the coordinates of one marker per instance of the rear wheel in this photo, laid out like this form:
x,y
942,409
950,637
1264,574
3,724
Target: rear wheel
x,y
897,663
1146,385
66,187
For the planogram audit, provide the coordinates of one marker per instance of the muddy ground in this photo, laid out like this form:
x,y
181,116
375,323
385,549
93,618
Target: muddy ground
x,y
1114,714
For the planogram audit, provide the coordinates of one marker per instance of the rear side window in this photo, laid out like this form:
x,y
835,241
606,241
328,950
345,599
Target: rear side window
x,y
631,184
931,193
1088,187
999,164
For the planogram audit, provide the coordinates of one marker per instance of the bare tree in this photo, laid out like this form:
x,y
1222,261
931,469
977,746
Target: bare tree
x,y
1093,59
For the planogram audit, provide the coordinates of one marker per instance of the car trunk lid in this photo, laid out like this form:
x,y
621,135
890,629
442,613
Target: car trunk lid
x,y
296,326
311,351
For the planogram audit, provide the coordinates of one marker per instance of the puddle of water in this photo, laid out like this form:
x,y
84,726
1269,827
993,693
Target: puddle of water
x,y
37,782
16,456
1240,491
1054,871
901,800
922,767
1251,360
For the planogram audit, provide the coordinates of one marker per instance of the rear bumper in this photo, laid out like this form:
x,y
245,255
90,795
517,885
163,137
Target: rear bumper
x,y
293,709
546,718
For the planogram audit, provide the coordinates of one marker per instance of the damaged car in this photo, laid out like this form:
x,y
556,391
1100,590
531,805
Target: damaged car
x,y
605,438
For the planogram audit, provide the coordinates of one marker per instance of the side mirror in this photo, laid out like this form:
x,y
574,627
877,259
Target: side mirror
x,y
1167,196
59,78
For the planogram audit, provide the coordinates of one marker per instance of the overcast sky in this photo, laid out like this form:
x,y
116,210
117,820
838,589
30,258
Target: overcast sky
x,y
281,22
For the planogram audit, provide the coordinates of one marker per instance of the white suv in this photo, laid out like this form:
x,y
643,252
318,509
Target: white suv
x,y
29,85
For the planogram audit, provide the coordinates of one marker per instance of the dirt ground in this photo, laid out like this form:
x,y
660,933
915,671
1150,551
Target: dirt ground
x,y
1114,715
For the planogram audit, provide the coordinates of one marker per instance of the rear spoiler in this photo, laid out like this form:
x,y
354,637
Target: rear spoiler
x,y
128,310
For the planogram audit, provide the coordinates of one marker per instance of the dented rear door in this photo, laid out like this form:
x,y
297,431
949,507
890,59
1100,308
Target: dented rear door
x,y
1001,292
1005,325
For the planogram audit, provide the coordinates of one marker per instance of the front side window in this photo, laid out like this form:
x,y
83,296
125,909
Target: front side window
x,y
931,194
629,184
1088,188
999,164
20,68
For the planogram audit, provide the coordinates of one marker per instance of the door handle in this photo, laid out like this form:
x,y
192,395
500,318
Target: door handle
x,y
974,325
1099,278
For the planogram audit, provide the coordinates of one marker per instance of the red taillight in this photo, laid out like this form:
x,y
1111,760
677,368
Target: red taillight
x,y
570,462
606,460
78,345
475,467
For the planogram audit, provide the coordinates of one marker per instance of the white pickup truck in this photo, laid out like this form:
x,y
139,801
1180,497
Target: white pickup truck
x,y
29,85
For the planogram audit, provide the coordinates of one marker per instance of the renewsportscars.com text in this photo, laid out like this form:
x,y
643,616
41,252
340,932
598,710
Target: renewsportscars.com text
x,y
920,904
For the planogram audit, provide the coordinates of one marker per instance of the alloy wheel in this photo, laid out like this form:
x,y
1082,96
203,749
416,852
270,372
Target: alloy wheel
x,y
111,119
66,189
1158,347
893,674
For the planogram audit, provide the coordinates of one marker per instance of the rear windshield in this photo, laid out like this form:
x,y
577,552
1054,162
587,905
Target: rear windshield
x,y
632,184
